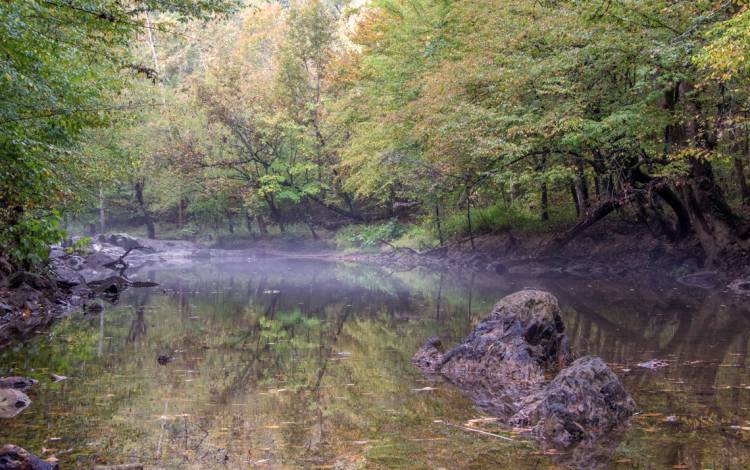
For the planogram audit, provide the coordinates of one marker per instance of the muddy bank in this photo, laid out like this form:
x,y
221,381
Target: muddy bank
x,y
614,250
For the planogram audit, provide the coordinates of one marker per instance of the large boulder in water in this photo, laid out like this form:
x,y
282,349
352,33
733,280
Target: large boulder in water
x,y
15,458
584,401
502,366
510,348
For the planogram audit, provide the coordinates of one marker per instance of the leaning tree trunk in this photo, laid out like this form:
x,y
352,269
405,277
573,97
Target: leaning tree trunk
x,y
138,187
713,221
715,225
574,195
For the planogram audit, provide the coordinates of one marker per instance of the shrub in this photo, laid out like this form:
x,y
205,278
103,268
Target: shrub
x,y
369,236
27,242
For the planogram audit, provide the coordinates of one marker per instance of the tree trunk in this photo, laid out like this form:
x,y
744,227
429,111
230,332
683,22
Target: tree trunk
x,y
667,195
101,209
262,224
714,223
439,224
468,219
138,187
593,217
574,194
155,58
311,226
181,207
545,203
249,222
713,220
275,213
739,171
581,187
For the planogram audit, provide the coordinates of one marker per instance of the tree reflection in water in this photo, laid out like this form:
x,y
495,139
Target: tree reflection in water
x,y
292,364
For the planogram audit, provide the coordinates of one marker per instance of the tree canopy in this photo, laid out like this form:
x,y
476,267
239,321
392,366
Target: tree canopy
x,y
324,113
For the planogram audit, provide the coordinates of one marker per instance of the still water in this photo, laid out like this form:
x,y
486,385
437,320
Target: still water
x,y
306,364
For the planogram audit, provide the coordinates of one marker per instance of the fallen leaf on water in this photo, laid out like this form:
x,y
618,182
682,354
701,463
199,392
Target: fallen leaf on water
x,y
653,364
423,389
474,421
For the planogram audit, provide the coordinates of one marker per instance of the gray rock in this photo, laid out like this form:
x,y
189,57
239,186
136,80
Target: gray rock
x,y
98,260
584,401
12,402
123,240
16,458
502,366
19,383
32,280
430,357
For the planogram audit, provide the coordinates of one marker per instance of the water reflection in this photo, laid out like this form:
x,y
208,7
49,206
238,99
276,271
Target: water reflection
x,y
290,364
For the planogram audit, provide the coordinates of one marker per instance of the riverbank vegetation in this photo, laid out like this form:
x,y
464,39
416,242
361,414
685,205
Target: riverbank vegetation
x,y
413,120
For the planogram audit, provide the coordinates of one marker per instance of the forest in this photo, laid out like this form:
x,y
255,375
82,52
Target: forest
x,y
419,121
354,234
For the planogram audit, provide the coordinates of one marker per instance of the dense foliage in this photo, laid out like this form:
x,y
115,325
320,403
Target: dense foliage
x,y
63,63
323,113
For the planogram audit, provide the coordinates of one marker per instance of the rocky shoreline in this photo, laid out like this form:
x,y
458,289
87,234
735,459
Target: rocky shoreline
x,y
31,301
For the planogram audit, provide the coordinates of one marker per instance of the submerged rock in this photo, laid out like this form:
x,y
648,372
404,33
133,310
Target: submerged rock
x,y
502,366
16,458
584,401
12,402
164,359
430,357
19,383
507,352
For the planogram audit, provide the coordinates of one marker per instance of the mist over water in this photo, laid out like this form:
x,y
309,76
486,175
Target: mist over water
x,y
282,363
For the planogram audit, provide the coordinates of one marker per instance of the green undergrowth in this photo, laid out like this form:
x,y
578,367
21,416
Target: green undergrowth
x,y
423,234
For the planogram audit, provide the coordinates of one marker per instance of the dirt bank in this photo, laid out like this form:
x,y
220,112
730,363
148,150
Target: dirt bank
x,y
615,250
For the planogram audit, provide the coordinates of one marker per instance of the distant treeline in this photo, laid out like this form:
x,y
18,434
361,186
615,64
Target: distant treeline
x,y
327,113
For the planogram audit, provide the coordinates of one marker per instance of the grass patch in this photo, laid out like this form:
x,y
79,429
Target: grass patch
x,y
369,236
502,218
